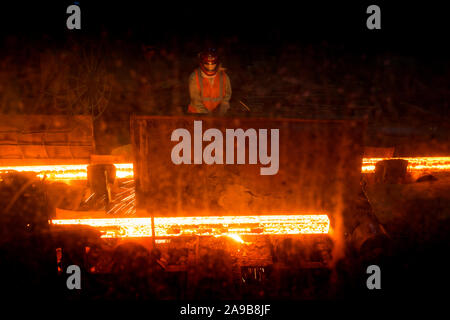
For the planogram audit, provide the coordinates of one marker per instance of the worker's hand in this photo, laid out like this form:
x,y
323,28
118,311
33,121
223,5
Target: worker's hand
x,y
223,108
199,109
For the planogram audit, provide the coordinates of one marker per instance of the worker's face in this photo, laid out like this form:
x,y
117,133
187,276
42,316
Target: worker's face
x,y
210,67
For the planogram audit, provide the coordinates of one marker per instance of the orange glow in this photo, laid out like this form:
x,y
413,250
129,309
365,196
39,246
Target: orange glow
x,y
414,164
125,170
206,226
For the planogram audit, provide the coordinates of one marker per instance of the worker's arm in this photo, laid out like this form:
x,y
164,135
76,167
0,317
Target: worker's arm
x,y
196,100
225,105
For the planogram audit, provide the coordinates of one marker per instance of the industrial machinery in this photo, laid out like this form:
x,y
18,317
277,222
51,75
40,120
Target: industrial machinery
x,y
214,206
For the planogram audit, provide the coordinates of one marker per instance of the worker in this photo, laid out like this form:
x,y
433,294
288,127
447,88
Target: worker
x,y
209,86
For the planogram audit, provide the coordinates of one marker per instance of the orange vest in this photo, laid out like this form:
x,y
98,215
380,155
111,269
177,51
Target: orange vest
x,y
212,95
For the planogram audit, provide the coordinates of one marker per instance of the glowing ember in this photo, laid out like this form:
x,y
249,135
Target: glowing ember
x,y
414,164
206,226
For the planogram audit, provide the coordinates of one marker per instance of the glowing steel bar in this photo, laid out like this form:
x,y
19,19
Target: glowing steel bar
x,y
53,172
125,170
206,226
414,164
69,172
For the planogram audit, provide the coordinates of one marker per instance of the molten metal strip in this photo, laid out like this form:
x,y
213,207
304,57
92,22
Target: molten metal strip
x,y
414,164
69,172
206,226
125,170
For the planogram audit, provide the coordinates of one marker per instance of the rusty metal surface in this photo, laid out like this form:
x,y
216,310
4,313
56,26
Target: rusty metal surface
x,y
319,165
48,139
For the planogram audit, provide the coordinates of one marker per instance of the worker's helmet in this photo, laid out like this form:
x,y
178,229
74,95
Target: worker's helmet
x,y
209,61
